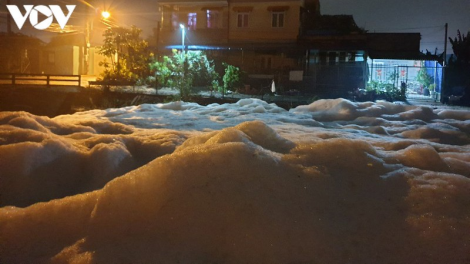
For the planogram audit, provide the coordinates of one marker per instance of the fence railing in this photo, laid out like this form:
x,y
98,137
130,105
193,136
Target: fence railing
x,y
40,79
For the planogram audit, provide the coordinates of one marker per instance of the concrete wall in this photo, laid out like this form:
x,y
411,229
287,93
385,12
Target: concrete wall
x,y
63,60
69,60
94,60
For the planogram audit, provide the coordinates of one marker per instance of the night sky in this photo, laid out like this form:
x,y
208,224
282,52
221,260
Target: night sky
x,y
427,17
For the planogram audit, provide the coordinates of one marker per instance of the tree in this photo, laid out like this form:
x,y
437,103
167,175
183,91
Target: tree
x,y
461,47
171,72
457,71
424,78
231,78
131,52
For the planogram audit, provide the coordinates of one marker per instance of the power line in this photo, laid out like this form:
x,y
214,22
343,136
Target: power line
x,y
434,41
411,28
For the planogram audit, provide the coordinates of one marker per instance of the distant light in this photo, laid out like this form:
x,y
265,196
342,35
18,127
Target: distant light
x,y
105,14
181,26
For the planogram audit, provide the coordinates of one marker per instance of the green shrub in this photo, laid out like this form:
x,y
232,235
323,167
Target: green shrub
x,y
132,54
231,78
183,70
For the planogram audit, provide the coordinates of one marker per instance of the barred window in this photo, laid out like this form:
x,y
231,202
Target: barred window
x,y
242,20
212,18
277,19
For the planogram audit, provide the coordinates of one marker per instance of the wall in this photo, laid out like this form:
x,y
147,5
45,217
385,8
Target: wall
x,y
259,22
259,28
58,60
95,58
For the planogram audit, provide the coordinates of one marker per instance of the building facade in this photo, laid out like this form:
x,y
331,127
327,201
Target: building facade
x,y
258,36
229,21
268,39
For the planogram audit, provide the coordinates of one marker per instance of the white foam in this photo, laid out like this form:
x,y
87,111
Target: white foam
x,y
236,183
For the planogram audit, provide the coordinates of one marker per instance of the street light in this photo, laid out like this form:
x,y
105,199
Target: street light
x,y
183,34
185,63
105,14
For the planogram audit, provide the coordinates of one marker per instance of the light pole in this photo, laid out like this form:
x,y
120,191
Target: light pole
x,y
183,32
118,49
185,63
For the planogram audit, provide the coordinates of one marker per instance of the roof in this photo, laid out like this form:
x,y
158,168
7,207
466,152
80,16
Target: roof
x,y
330,25
15,39
334,41
400,55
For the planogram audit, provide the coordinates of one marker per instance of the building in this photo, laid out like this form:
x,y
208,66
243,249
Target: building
x,y
272,39
20,53
258,36
229,21
288,41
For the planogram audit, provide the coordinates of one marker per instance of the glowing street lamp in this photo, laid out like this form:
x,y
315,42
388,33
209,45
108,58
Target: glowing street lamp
x,y
185,63
183,34
105,14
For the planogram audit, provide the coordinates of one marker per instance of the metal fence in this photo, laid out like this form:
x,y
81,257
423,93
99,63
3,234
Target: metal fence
x,y
397,75
40,79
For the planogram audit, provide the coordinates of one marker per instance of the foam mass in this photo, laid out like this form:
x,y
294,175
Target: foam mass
x,y
363,183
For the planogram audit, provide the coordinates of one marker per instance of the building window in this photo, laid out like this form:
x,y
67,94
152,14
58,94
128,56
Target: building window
x,y
242,20
212,18
332,58
192,20
323,58
342,57
277,19
265,63
351,56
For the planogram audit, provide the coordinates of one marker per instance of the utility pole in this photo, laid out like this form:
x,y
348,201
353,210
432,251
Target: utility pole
x,y
444,65
118,49
88,28
183,50
445,46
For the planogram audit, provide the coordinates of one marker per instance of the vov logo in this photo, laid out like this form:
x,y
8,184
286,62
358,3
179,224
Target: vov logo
x,y
51,12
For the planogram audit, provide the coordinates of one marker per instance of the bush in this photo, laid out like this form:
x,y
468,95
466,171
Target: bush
x,y
231,78
383,91
424,78
131,51
183,70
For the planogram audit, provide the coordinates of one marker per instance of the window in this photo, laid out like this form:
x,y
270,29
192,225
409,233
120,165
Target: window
x,y
323,58
332,58
342,57
277,19
212,18
266,62
192,19
242,20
